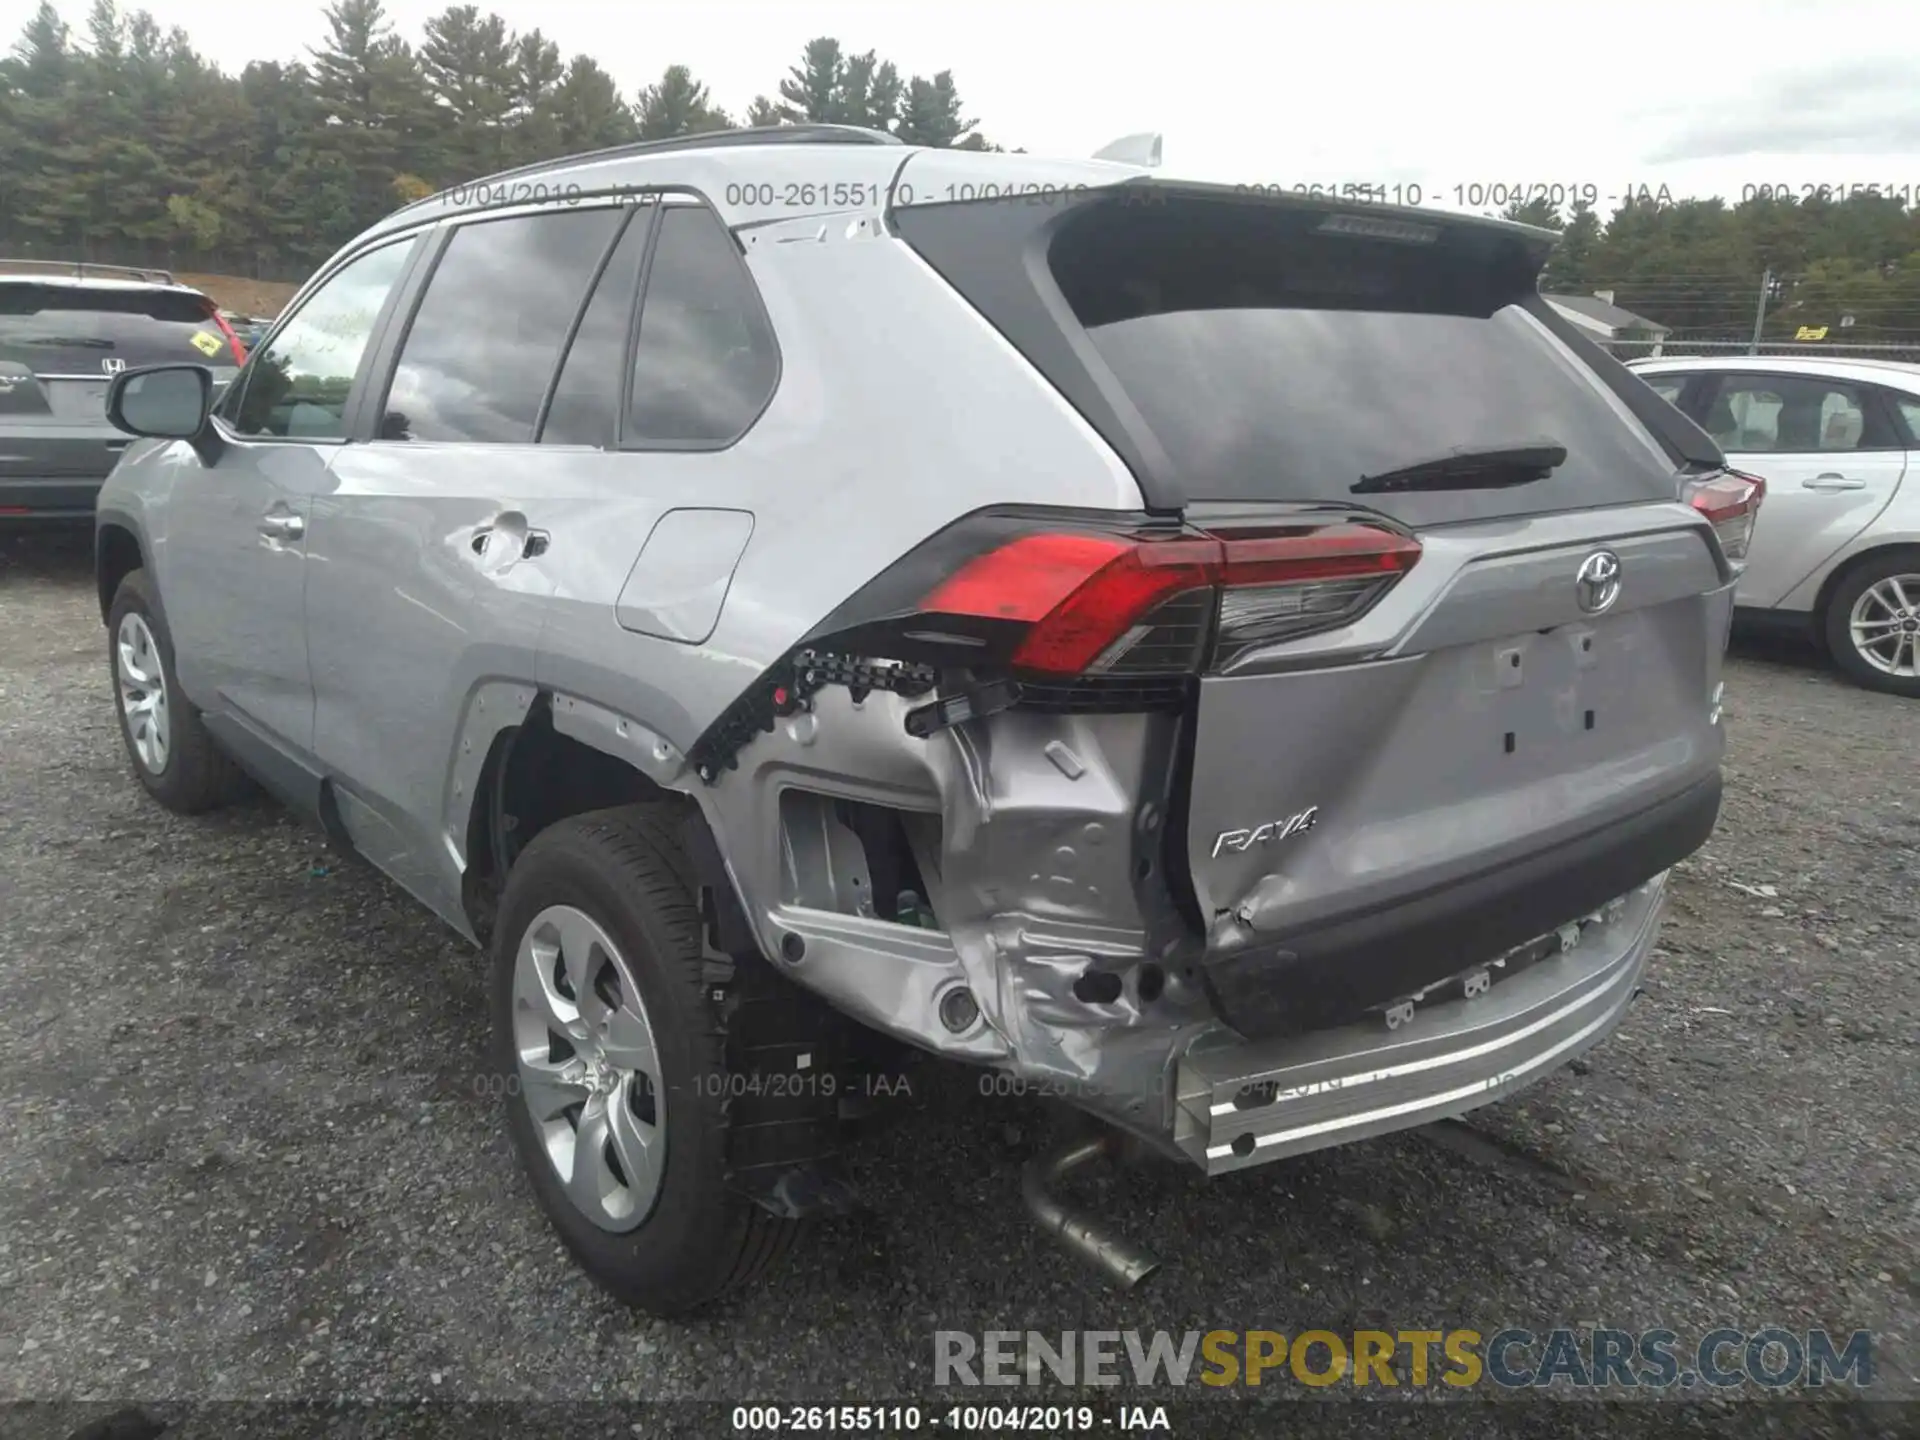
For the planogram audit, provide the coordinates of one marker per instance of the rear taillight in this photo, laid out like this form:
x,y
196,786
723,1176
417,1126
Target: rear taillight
x,y
1730,500
233,338
1104,604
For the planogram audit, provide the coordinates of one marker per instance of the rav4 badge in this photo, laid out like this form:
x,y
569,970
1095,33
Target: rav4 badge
x,y
1241,840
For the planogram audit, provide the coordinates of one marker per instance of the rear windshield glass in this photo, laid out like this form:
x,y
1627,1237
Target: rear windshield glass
x,y
1272,364
70,330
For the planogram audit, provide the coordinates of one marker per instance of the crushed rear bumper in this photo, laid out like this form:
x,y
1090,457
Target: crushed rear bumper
x,y
1241,1103
1330,973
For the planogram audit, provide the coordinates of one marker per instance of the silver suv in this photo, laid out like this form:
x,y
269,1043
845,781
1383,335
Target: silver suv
x,y
1238,663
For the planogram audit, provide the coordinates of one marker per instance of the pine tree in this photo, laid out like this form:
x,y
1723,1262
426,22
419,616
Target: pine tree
x,y
468,63
678,105
533,119
588,111
38,105
811,90
868,92
931,115
377,119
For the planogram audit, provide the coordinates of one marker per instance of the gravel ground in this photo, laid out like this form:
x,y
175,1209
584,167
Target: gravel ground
x,y
245,1153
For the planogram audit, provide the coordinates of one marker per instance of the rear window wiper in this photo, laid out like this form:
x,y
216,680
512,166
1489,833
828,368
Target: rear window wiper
x,y
1470,467
73,342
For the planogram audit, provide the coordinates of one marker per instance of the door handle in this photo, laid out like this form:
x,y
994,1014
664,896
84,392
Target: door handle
x,y
1832,480
507,541
283,527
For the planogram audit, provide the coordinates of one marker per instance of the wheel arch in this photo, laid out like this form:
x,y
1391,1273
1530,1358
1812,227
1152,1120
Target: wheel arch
x,y
1878,549
544,756
118,551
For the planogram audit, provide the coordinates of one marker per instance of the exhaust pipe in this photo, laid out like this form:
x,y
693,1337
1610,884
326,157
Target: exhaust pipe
x,y
1113,1255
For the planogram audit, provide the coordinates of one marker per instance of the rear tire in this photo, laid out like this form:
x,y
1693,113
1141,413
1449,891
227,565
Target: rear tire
x,y
603,900
1872,624
173,755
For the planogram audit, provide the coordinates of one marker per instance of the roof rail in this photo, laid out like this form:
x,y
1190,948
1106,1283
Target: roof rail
x,y
81,269
809,134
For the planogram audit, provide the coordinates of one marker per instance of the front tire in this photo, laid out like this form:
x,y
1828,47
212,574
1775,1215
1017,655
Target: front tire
x,y
1873,624
611,1062
173,755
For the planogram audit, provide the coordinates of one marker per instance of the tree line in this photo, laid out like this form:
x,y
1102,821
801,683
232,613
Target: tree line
x,y
1700,265
121,143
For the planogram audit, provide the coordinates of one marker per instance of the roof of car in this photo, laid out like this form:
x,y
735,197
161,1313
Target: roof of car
x,y
94,282
756,176
793,172
1903,374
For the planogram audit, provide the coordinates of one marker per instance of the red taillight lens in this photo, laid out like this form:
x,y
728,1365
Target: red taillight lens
x,y
1025,579
233,339
1105,604
1731,502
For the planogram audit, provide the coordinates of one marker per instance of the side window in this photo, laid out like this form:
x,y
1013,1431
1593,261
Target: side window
x,y
1787,414
1667,387
484,341
586,403
705,363
1910,412
296,388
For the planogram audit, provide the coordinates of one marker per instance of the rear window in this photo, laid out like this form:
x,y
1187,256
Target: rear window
x,y
70,330
1270,360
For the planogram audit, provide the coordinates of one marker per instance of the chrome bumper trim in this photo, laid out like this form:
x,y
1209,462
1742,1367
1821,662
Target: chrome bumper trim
x,y
1240,1104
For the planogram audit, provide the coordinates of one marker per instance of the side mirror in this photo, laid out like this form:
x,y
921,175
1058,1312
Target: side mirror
x,y
164,402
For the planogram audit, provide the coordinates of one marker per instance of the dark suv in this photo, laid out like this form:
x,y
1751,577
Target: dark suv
x,y
65,332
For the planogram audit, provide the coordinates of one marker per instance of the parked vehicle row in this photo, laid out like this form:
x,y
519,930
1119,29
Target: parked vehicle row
x,y
1241,663
63,337
1837,557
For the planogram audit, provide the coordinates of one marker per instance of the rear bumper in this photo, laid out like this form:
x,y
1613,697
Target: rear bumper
x,y
59,497
1331,973
1240,1104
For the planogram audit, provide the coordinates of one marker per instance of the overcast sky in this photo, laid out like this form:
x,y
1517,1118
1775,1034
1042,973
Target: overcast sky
x,y
1703,96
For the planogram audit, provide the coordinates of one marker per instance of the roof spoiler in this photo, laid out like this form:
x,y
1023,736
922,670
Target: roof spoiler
x,y
1140,149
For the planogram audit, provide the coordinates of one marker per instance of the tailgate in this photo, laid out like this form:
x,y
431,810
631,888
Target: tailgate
x,y
1360,828
54,428
1397,771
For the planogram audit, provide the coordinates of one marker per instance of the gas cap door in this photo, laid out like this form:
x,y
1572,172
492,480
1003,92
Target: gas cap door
x,y
679,581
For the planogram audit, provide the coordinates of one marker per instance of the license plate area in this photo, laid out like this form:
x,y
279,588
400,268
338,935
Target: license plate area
x,y
1543,689
1476,981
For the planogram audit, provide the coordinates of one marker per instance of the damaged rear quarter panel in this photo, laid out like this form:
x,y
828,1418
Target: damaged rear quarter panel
x,y
865,450
1044,824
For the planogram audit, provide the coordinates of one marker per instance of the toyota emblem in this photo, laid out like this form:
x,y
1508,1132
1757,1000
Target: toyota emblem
x,y
1597,585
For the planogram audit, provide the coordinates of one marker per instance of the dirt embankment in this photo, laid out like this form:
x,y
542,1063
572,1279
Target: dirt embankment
x,y
264,298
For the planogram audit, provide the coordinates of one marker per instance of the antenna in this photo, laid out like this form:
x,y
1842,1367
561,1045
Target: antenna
x,y
1140,149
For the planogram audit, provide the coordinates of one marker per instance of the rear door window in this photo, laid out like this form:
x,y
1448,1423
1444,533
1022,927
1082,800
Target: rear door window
x,y
1667,387
1794,414
56,329
585,409
705,364
487,336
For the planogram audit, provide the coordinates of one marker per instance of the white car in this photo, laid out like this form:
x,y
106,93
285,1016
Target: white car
x,y
1836,549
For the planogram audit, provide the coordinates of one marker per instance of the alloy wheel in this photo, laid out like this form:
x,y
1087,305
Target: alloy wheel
x,y
143,691
1885,626
588,1069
